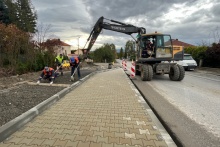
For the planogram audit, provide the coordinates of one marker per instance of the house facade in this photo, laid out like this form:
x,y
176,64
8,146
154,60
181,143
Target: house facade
x,y
62,48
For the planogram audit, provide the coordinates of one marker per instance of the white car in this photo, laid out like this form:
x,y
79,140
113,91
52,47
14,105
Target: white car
x,y
188,62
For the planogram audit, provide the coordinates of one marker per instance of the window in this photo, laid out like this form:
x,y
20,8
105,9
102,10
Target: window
x,y
187,57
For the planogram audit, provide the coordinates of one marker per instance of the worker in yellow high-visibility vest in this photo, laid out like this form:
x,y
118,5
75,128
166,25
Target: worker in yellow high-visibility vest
x,y
59,62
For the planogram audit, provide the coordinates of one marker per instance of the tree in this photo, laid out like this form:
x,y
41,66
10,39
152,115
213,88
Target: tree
x,y
4,18
113,48
129,49
121,53
104,53
11,12
41,32
16,50
26,16
21,13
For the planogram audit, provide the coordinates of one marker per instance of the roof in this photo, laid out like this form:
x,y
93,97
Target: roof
x,y
56,42
64,44
180,43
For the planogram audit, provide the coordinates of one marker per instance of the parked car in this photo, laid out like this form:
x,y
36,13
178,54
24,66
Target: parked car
x,y
188,62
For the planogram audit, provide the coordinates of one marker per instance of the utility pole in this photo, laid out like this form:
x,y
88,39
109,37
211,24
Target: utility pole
x,y
78,46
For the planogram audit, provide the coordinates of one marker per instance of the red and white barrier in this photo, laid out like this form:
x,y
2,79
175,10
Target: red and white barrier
x,y
132,75
124,65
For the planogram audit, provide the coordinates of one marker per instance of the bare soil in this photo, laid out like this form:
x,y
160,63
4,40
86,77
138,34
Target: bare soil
x,y
17,96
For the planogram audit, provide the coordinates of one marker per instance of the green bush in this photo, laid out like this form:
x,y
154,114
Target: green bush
x,y
22,68
213,56
197,52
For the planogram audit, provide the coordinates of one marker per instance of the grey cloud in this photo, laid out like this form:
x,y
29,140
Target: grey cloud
x,y
192,33
129,8
62,14
216,10
41,4
70,15
60,11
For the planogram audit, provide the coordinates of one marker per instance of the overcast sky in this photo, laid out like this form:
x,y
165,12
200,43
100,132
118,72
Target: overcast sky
x,y
190,21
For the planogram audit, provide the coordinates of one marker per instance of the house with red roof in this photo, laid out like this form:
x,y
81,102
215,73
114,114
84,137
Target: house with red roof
x,y
179,45
58,46
62,48
176,42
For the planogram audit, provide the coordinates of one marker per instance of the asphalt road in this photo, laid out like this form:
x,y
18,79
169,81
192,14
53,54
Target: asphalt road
x,y
189,109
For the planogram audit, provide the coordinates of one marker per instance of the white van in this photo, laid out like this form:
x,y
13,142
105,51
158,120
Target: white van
x,y
188,62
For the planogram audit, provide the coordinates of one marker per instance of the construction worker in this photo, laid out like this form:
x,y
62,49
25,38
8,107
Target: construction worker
x,y
59,61
74,63
47,74
148,50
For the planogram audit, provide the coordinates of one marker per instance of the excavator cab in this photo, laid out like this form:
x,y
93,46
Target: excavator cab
x,y
155,46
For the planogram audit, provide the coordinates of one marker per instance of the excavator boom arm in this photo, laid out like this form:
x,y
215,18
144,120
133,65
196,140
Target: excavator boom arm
x,y
119,27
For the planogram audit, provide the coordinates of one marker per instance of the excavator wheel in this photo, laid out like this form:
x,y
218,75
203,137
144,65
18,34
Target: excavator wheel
x,y
150,73
146,73
182,72
174,73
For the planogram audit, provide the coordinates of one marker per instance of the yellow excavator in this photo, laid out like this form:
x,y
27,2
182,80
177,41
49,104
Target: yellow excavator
x,y
154,51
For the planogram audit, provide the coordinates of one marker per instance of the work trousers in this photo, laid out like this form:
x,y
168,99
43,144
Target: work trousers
x,y
78,70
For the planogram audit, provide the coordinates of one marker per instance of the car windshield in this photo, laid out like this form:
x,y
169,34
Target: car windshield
x,y
188,57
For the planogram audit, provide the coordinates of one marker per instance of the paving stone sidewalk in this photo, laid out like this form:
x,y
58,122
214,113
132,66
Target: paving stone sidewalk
x,y
104,111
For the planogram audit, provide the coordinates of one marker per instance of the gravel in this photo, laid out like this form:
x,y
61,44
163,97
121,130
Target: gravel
x,y
17,97
16,101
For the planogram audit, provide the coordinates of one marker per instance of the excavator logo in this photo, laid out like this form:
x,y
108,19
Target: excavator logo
x,y
98,30
117,28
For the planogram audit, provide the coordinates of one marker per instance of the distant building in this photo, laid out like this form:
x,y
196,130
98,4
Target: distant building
x,y
78,52
176,42
62,48
59,46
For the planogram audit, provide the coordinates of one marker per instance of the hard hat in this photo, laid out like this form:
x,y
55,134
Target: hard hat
x,y
46,68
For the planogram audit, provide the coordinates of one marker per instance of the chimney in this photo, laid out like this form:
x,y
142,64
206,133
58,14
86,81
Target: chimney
x,y
176,39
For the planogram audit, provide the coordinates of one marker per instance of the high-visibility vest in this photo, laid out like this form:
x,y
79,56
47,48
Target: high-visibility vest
x,y
48,73
60,59
76,60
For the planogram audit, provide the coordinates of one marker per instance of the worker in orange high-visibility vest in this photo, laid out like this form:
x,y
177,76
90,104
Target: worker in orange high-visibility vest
x,y
75,63
48,73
